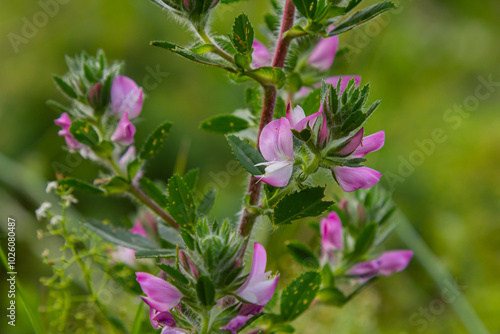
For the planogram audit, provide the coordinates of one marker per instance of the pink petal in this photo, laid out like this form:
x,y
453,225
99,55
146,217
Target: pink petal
x,y
394,261
354,142
323,132
138,229
127,157
126,96
161,295
276,141
366,269
331,234
125,131
63,121
324,53
277,173
260,56
353,178
369,144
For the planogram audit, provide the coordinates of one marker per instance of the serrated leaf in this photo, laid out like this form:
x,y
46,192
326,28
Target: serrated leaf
x,y
206,203
191,178
352,4
302,254
362,16
153,192
173,273
246,154
304,203
120,236
205,291
180,202
299,295
65,87
306,7
80,185
188,54
170,235
224,124
155,253
116,185
188,239
269,76
155,141
84,133
242,36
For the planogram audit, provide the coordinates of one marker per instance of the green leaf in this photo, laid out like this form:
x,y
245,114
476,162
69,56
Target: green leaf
x,y
206,203
365,240
116,185
84,133
312,102
352,4
65,87
224,124
188,54
269,76
80,185
133,167
104,149
305,203
120,236
332,296
89,75
242,61
155,253
306,7
299,295
191,177
180,202
155,141
136,327
204,48
188,239
153,192
206,291
173,273
170,235
302,254
362,16
56,106
246,154
242,36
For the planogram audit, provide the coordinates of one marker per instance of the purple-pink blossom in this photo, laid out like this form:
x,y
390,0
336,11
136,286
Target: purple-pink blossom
x,y
125,131
297,118
323,55
127,255
385,265
353,178
332,237
160,294
260,56
245,313
65,122
260,285
276,146
126,96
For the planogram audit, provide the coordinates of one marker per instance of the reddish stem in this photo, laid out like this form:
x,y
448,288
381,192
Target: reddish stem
x,y
270,92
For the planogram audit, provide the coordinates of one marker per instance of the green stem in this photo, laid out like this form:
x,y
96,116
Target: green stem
x,y
438,272
218,51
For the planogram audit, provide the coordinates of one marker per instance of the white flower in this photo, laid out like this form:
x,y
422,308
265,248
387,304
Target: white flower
x,y
43,210
51,186
56,220
69,199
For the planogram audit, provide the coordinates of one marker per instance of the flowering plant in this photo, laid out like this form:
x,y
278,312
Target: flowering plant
x,y
300,125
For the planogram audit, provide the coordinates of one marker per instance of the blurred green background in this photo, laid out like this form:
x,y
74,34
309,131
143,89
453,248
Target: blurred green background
x,y
427,61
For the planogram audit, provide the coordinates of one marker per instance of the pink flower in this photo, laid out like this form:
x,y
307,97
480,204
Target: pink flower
x,y
245,313
188,264
161,295
126,96
385,265
297,118
65,122
276,145
259,287
127,158
331,236
260,56
354,178
127,255
125,131
369,144
324,53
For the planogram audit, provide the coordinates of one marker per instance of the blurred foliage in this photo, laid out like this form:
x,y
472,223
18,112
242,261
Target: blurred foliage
x,y
422,60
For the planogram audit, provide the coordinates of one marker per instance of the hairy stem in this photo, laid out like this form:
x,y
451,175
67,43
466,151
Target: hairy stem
x,y
270,92
134,191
